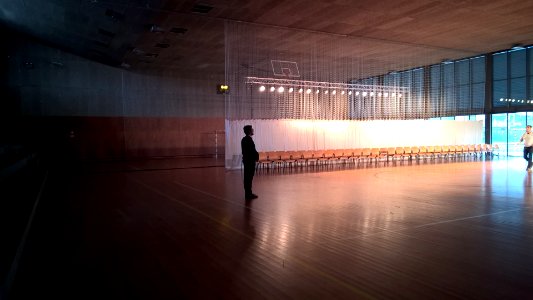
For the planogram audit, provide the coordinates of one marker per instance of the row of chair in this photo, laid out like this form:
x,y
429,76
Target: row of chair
x,y
308,157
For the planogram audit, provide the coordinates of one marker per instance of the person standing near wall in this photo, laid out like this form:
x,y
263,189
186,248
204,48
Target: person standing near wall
x,y
249,158
527,138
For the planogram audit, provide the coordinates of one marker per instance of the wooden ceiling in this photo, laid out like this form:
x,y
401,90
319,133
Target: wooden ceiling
x,y
173,35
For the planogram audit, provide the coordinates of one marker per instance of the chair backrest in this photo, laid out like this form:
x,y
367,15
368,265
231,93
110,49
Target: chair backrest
x,y
452,149
276,155
284,155
307,154
402,150
318,154
415,150
263,156
347,152
296,154
330,153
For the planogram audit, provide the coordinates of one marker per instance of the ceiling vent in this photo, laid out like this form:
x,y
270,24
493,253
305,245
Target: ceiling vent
x,y
201,8
162,45
178,30
106,33
115,15
151,55
156,29
101,44
137,51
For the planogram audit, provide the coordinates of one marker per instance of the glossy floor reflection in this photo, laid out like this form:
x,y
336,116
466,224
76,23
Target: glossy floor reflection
x,y
397,231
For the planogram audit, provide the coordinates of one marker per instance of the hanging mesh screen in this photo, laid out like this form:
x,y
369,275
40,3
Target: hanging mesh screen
x,y
279,73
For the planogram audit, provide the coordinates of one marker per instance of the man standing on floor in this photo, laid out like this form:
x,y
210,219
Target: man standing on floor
x,y
249,157
527,138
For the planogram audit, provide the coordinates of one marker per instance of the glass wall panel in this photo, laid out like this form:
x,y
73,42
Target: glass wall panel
x,y
517,62
463,72
480,118
530,62
518,91
517,124
499,132
478,96
500,66
500,93
478,69
510,81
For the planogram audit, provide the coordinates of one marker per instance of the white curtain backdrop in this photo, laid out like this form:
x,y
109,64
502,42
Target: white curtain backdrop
x,y
291,135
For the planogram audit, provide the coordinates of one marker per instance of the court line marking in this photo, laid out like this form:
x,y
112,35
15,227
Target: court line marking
x,y
432,224
10,278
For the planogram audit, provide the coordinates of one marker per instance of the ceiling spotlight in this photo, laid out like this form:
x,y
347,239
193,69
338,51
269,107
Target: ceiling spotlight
x,y
291,90
308,91
364,94
300,90
272,88
385,94
326,92
517,47
379,94
317,91
334,92
281,89
350,92
393,94
501,99
514,100
262,88
342,93
357,93
399,95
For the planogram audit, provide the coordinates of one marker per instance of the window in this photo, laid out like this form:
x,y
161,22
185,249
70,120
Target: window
x,y
511,83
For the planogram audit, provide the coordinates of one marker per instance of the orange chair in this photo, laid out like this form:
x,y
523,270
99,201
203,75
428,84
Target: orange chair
x,y
407,152
423,152
309,157
366,152
264,160
276,158
357,154
374,154
415,152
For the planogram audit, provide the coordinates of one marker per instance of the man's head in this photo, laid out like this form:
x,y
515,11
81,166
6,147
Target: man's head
x,y
248,130
528,128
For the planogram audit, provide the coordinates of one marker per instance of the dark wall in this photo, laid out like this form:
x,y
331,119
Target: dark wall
x,y
69,105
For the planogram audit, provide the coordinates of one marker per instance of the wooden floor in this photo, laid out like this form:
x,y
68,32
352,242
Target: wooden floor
x,y
180,229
